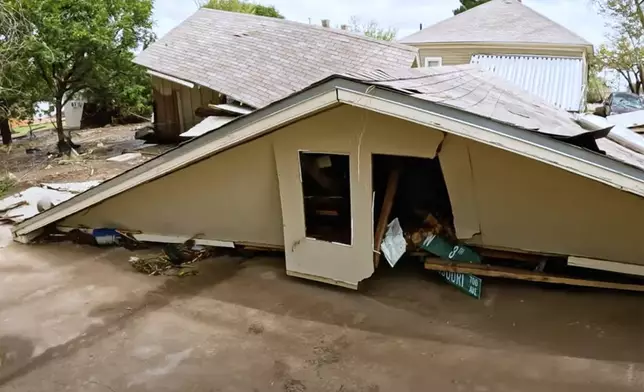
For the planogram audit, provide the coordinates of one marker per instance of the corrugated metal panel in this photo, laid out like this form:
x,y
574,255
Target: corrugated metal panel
x,y
557,80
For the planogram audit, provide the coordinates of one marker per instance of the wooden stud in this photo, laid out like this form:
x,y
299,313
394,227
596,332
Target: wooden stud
x,y
385,210
512,273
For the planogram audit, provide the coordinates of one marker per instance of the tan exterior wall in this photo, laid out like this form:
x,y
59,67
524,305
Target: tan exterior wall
x,y
455,55
188,100
524,204
231,196
499,199
360,134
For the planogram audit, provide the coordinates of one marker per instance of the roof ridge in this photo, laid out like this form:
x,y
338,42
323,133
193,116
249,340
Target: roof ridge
x,y
550,20
316,27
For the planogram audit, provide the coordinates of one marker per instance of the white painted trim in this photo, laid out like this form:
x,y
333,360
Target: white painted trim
x,y
605,265
224,142
494,138
322,279
169,239
171,78
439,59
28,237
164,239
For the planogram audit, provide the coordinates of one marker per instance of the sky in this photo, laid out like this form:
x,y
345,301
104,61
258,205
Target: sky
x,y
403,15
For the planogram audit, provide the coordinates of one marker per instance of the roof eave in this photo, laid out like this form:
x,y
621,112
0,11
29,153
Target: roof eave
x,y
501,44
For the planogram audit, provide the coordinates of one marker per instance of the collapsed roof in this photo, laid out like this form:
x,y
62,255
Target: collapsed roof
x,y
258,60
500,21
462,100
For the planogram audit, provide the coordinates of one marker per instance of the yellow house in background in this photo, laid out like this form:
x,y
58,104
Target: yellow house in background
x,y
515,42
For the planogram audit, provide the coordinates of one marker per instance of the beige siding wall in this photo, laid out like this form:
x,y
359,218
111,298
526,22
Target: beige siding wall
x,y
188,99
231,196
455,55
499,199
524,204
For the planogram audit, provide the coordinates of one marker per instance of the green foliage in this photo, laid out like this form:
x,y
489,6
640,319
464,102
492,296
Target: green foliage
x,y
243,6
17,86
372,29
84,45
468,4
624,52
7,181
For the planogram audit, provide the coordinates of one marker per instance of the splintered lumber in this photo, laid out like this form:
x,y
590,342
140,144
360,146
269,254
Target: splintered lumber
x,y
434,264
385,210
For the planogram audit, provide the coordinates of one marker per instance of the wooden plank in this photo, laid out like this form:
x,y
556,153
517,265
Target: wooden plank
x,y
195,102
255,245
605,265
511,273
385,210
182,122
510,255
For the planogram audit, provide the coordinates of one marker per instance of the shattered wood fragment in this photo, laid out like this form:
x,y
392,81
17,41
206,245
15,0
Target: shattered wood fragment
x,y
390,195
513,273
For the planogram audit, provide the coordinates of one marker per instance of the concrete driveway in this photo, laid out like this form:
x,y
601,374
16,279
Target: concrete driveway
x,y
77,318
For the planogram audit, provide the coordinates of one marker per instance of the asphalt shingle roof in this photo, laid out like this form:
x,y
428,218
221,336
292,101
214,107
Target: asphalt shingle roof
x,y
258,60
473,89
507,21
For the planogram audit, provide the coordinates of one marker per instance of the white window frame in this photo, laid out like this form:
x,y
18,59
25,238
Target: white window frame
x,y
439,59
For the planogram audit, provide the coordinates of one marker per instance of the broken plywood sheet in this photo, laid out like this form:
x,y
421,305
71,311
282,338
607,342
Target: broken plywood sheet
x,y
207,125
26,202
130,156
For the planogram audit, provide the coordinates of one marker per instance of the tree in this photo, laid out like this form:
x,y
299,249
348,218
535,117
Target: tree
x,y
372,29
243,6
624,51
80,45
16,86
468,4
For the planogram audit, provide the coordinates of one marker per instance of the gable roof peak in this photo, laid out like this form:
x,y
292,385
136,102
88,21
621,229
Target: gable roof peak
x,y
498,21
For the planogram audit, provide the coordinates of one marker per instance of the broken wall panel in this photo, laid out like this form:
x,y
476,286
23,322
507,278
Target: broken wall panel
x,y
360,134
529,205
186,100
232,196
457,171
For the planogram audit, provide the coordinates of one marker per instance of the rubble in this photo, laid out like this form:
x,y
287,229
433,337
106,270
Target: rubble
x,y
25,204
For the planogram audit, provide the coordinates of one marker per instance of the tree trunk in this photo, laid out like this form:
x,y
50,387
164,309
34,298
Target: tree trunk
x,y
59,120
5,130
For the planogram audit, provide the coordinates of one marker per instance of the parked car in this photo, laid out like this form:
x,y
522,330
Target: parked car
x,y
618,103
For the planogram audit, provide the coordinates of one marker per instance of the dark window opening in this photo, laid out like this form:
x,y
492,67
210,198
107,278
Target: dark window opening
x,y
326,188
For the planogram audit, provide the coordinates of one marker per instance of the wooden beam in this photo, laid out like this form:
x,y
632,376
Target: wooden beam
x,y
605,265
385,210
258,246
509,255
512,273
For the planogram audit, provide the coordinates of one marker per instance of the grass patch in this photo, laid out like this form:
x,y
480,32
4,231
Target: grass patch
x,y
6,183
24,129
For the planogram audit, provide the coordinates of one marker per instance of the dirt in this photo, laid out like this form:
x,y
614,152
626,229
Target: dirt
x,y
42,164
78,318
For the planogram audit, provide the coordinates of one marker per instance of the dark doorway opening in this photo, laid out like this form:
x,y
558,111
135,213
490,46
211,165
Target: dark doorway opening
x,y
420,202
326,186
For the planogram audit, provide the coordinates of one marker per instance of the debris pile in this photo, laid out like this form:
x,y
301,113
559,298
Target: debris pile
x,y
25,204
175,259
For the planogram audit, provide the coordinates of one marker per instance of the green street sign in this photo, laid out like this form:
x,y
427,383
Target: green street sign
x,y
445,250
469,284
442,248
